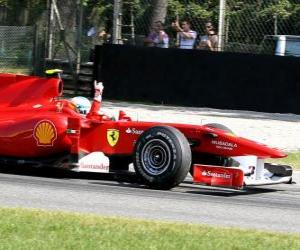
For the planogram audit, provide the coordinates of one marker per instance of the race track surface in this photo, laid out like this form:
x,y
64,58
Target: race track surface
x,y
272,208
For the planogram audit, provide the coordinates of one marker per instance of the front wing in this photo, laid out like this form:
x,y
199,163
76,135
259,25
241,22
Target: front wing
x,y
248,174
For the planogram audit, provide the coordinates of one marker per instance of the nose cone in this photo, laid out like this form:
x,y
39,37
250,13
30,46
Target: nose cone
x,y
276,153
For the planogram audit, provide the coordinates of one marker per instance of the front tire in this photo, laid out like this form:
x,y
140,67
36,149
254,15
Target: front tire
x,y
162,157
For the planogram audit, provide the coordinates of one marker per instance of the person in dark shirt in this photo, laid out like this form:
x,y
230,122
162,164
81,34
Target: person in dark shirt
x,y
210,40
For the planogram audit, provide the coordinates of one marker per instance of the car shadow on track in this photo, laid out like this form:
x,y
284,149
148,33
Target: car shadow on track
x,y
129,180
125,179
225,192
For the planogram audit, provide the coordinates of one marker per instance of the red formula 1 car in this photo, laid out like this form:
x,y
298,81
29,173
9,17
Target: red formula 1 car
x,y
39,128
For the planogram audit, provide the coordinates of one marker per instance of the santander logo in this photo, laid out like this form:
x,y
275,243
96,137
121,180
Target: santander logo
x,y
216,175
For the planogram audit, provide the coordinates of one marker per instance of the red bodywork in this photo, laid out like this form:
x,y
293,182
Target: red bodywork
x,y
35,122
27,101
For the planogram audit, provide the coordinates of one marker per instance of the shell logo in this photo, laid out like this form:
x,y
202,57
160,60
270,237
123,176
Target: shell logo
x,y
45,133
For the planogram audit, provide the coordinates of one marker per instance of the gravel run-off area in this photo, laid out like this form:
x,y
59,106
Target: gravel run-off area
x,y
276,130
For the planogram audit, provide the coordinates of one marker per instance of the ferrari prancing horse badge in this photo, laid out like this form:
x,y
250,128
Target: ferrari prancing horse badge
x,y
112,136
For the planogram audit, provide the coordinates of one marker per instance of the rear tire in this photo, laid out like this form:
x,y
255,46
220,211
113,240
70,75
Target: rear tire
x,y
162,157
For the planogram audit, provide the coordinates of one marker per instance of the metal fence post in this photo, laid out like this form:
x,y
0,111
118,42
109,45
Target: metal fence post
x,y
222,13
79,16
50,29
117,22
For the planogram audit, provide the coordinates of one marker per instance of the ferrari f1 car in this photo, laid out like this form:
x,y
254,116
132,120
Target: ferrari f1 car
x,y
40,128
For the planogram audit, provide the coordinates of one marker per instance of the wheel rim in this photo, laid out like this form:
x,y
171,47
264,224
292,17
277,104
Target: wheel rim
x,y
156,157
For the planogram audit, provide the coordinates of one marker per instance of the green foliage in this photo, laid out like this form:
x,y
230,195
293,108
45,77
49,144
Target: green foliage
x,y
281,9
99,13
250,20
3,3
16,9
192,10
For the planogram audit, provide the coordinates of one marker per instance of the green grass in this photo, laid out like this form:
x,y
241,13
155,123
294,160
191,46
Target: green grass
x,y
293,160
35,229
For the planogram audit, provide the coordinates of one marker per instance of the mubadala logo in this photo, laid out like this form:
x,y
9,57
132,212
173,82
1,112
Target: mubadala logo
x,y
134,131
224,143
216,175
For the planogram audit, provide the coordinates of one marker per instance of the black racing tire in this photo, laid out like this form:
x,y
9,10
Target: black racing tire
x,y
162,157
219,126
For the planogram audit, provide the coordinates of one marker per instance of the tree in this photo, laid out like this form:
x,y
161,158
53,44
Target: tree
x,y
159,11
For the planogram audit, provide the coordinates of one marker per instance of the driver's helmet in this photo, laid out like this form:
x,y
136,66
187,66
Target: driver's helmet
x,y
82,104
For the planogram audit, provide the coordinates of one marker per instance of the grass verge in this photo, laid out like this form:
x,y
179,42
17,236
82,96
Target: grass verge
x,y
35,229
293,160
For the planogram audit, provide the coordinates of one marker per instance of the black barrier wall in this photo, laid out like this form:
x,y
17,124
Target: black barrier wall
x,y
200,78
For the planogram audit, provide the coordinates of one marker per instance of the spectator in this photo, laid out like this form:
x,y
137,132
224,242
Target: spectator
x,y
158,37
104,37
210,40
187,37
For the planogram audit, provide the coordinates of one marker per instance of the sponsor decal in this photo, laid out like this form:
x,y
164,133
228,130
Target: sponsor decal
x,y
94,162
112,137
216,175
45,133
94,166
59,106
224,145
134,131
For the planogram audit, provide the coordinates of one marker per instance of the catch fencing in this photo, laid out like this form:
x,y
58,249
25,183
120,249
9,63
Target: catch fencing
x,y
17,48
241,25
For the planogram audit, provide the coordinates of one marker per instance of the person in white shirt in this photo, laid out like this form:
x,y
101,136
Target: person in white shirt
x,y
187,37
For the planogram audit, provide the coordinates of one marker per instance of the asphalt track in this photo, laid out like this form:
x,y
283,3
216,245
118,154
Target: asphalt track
x,y
272,208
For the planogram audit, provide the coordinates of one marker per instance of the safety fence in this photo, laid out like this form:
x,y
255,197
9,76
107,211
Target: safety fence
x,y
241,25
17,46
